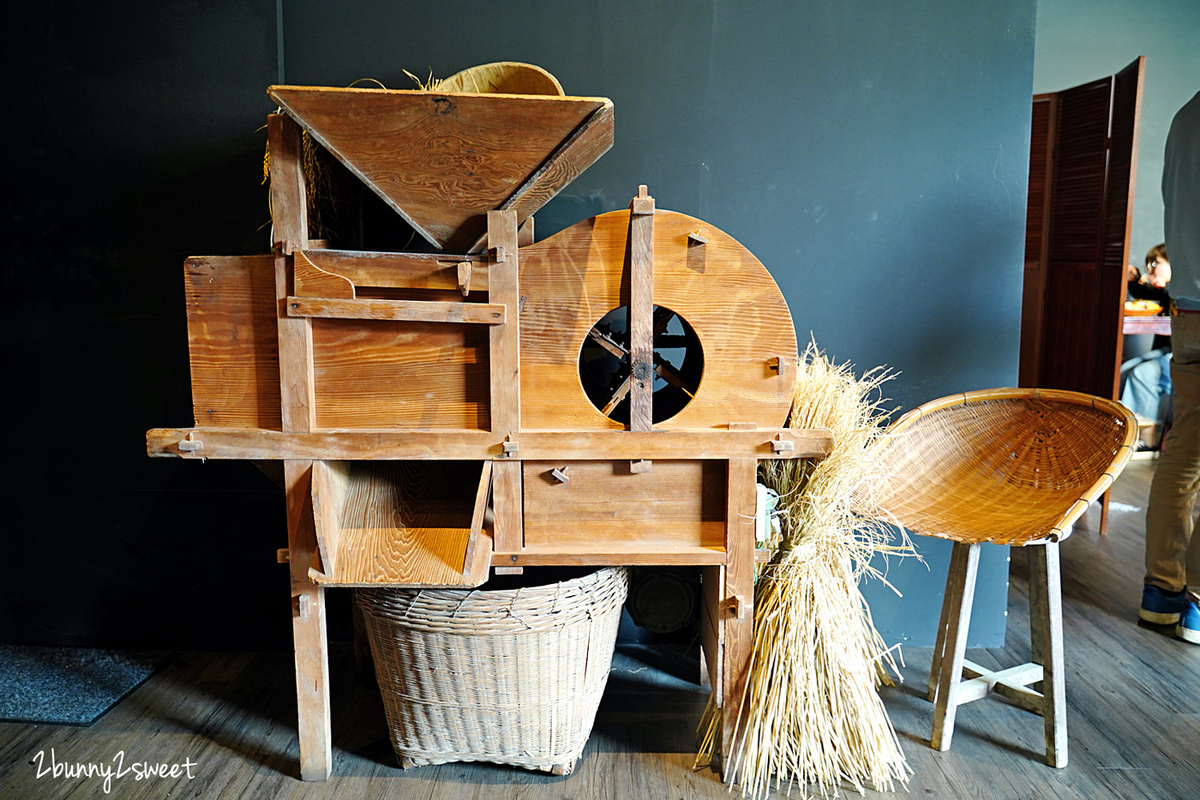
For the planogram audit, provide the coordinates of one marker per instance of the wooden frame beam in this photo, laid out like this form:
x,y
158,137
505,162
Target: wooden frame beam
x,y
256,444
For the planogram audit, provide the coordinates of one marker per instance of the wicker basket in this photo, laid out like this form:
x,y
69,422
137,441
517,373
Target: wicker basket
x,y
512,676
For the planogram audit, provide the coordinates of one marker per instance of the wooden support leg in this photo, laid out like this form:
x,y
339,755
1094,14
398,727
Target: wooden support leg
x,y
504,361
1044,571
960,595
1037,607
939,647
308,629
738,614
297,407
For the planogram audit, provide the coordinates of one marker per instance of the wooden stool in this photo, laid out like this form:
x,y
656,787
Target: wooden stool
x,y
1008,467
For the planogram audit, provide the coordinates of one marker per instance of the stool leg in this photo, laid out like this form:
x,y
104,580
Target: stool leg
x,y
960,594
939,647
1044,571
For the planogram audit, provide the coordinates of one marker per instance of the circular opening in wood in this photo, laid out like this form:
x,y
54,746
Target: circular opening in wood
x,y
604,364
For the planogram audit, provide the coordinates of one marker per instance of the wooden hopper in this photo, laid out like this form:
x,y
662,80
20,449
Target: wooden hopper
x,y
442,160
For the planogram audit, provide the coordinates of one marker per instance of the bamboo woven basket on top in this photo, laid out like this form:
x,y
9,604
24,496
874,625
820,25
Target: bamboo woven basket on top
x,y
1007,466
511,676
503,77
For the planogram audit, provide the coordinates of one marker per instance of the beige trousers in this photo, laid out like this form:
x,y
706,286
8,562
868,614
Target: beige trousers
x,y
1172,553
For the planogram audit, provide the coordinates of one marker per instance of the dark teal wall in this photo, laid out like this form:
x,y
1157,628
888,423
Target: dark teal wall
x,y
872,154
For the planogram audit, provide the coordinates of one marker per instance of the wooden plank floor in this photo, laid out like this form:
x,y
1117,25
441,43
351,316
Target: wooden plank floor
x,y
1133,714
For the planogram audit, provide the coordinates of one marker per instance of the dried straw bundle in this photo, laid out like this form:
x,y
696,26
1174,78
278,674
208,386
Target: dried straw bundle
x,y
811,714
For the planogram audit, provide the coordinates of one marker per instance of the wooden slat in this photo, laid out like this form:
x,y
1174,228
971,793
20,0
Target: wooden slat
x,y
290,232
289,204
1041,167
508,520
443,160
233,341
712,632
425,271
330,486
605,507
634,556
1118,216
504,354
980,682
397,310
738,612
479,552
254,444
641,311
504,368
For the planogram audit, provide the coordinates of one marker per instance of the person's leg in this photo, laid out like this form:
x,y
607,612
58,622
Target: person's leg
x,y
1172,553
1142,382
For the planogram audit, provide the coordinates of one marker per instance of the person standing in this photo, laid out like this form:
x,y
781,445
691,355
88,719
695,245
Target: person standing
x,y
1172,583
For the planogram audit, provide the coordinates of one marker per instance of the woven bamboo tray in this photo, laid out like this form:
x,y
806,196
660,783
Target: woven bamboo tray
x,y
511,676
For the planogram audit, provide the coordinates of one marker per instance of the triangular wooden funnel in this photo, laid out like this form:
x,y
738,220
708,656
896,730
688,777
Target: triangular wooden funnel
x,y
443,160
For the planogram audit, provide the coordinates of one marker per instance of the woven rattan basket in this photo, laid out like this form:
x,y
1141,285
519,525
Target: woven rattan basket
x,y
512,676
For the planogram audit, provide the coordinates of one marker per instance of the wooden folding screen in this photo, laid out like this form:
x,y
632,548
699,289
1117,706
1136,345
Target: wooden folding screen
x,y
1082,163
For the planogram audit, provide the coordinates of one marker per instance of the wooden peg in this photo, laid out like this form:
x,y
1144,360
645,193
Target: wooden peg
x,y
498,254
508,570
742,426
283,555
782,365
696,237
641,467
190,444
780,445
737,607
525,233
643,203
508,446
464,277
561,475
